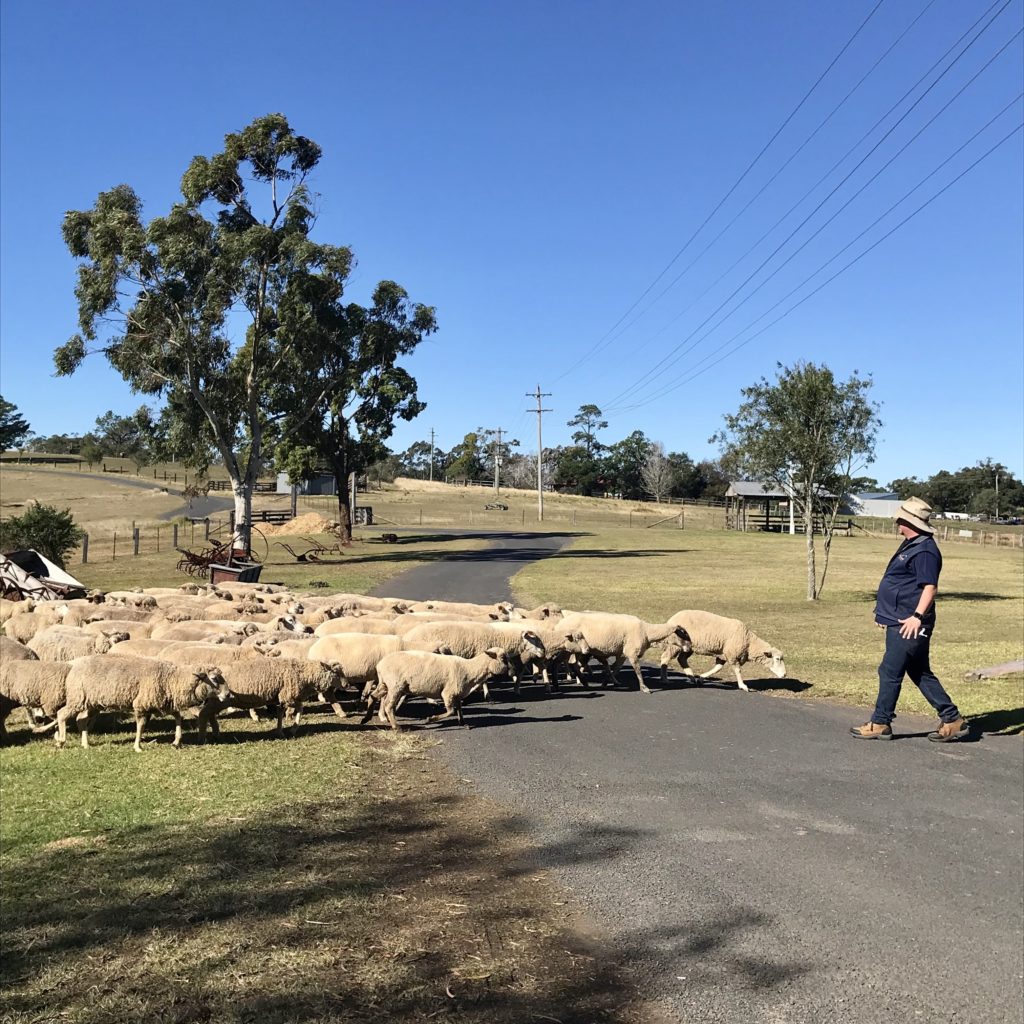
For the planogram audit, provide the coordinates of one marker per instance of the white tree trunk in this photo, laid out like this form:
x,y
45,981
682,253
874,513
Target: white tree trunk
x,y
812,573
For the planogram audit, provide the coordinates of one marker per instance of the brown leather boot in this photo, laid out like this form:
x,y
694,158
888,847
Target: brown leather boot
x,y
872,731
950,732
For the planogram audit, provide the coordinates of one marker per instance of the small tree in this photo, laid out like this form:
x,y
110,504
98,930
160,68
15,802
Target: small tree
x,y
624,464
588,422
656,471
44,529
808,434
14,427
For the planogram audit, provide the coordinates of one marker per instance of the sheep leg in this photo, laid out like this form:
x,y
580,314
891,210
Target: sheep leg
x,y
177,730
141,717
388,710
739,679
338,709
280,721
296,718
61,735
85,721
644,688
712,671
609,673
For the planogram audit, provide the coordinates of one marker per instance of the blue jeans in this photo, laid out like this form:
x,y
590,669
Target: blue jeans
x,y
909,657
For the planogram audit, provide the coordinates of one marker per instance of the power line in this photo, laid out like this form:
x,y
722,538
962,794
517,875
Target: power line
x,y
682,348
757,195
735,185
692,376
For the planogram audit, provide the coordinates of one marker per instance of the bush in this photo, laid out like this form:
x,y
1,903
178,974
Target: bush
x,y
45,529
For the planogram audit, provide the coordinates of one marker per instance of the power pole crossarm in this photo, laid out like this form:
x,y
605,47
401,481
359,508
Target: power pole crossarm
x,y
538,394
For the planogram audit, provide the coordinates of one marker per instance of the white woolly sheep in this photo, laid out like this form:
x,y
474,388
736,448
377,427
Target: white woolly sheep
x,y
81,611
558,643
542,611
11,650
24,626
619,638
31,683
257,682
468,639
728,641
135,630
362,624
206,629
145,686
9,608
500,610
183,652
65,643
444,676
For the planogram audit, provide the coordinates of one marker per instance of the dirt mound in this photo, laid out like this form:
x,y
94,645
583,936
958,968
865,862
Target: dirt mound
x,y
309,522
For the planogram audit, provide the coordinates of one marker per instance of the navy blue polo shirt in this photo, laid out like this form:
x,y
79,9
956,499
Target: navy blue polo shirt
x,y
916,564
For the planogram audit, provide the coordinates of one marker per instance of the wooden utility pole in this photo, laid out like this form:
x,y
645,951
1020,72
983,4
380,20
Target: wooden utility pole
x,y
431,454
497,460
540,450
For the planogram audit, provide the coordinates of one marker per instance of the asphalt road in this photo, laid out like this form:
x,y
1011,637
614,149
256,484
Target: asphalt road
x,y
199,507
744,856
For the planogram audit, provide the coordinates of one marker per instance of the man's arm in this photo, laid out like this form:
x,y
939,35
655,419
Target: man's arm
x,y
910,626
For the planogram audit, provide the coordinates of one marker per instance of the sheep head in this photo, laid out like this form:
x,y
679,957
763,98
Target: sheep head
x,y
210,684
576,643
499,658
96,597
775,662
108,638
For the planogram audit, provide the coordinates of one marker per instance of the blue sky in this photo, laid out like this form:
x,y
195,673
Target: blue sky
x,y
531,168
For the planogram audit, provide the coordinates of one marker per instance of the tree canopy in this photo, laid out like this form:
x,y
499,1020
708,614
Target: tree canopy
x,y
215,303
809,434
14,427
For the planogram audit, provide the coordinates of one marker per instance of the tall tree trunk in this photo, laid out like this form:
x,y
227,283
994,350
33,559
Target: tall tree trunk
x,y
812,574
339,467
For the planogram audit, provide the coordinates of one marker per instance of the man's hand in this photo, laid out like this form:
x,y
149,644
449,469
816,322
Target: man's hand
x,y
909,628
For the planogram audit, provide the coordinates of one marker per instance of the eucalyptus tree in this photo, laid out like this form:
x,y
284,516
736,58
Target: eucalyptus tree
x,y
809,434
209,305
14,427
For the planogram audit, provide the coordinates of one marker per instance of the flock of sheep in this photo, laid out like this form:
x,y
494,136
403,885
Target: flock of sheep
x,y
164,651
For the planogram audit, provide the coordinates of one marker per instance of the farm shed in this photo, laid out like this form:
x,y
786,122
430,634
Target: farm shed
x,y
884,504
322,483
762,505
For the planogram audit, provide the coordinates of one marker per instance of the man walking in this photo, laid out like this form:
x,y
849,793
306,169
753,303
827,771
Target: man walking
x,y
905,609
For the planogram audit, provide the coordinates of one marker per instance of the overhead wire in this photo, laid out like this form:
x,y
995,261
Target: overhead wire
x,y
732,189
682,348
757,195
699,372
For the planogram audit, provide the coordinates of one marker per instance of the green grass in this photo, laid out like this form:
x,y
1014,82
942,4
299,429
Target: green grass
x,y
304,880
831,644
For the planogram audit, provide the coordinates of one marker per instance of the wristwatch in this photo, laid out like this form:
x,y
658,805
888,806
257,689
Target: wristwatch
x,y
917,615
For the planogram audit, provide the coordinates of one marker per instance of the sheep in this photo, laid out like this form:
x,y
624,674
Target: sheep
x,y
354,656
11,650
229,630
65,643
131,599
468,639
24,626
542,611
135,630
728,641
9,608
277,645
81,611
142,685
622,638
257,682
558,644
363,624
183,652
501,610
31,683
348,603
444,676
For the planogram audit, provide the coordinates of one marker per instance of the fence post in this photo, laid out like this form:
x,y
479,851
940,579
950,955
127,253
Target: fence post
x,y
158,540
135,540
574,517
174,535
631,519
113,555
85,548
206,528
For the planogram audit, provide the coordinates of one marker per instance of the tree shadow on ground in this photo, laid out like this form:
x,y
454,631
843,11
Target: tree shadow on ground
x,y
952,595
406,905
498,554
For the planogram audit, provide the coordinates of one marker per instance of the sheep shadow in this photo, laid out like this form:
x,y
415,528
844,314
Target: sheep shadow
x,y
1002,723
950,595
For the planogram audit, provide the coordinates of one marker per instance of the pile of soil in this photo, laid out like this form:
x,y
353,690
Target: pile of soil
x,y
309,522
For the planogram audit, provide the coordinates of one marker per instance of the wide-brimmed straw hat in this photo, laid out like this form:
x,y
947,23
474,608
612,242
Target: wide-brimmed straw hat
x,y
916,512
